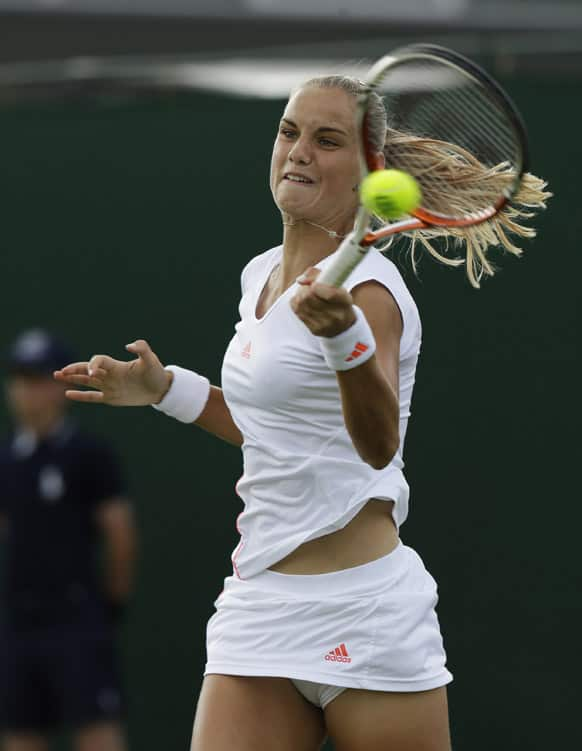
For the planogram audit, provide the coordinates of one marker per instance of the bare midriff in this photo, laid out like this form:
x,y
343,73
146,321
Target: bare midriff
x,y
371,534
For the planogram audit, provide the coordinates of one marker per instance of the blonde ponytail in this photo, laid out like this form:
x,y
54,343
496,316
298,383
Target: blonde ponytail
x,y
455,172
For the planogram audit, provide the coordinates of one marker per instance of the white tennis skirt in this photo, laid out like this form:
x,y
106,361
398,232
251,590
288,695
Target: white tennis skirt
x,y
369,627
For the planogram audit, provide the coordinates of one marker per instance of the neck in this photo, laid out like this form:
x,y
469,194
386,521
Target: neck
x,y
306,244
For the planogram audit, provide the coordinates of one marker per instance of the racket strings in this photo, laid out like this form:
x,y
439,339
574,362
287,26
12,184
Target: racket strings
x,y
468,114
449,133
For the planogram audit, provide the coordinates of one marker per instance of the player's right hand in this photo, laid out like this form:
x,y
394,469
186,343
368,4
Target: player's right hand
x,y
135,383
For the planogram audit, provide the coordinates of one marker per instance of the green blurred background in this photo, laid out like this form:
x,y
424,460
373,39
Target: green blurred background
x,y
132,217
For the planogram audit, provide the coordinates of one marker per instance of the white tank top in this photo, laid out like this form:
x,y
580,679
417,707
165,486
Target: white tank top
x,y
302,477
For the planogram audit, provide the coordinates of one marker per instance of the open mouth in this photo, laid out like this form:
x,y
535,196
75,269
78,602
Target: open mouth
x,y
294,177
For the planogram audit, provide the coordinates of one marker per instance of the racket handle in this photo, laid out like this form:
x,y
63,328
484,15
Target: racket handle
x,y
347,257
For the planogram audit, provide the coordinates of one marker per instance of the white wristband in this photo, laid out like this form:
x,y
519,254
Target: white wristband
x,y
350,348
186,397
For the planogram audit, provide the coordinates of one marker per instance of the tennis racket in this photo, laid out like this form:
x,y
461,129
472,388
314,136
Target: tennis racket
x,y
470,149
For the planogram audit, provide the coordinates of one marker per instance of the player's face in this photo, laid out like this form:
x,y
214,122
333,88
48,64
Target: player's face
x,y
34,400
314,167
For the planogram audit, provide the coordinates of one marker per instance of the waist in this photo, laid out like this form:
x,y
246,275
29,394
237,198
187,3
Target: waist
x,y
282,515
370,535
356,579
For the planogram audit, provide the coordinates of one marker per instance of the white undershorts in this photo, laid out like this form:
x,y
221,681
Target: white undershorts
x,y
369,627
319,694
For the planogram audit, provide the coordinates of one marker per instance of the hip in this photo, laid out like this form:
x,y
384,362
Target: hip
x,y
370,626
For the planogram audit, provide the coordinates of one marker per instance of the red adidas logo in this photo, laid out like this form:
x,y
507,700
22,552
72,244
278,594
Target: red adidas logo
x,y
339,654
358,350
246,351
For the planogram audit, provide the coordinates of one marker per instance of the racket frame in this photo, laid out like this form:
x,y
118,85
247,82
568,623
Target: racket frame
x,y
355,246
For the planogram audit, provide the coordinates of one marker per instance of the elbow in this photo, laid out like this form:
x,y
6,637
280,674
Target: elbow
x,y
379,463
376,438
382,455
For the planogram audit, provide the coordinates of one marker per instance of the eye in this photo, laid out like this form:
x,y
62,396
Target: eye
x,y
328,142
287,132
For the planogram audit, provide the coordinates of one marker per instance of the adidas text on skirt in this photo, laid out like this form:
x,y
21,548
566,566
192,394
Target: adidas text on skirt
x,y
370,627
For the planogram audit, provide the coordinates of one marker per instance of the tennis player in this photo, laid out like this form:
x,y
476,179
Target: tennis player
x,y
327,625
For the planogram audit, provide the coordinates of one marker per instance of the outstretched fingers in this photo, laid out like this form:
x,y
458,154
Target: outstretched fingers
x,y
90,375
76,368
93,397
96,380
143,350
100,363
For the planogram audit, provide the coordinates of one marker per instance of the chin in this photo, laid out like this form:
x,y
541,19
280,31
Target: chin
x,y
292,210
293,202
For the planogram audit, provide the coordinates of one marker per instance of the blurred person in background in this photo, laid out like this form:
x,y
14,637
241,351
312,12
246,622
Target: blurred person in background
x,y
68,540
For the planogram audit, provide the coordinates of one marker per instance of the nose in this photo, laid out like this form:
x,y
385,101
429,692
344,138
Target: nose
x,y
300,152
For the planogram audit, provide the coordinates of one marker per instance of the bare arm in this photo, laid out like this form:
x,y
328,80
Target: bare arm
x,y
141,382
216,418
369,392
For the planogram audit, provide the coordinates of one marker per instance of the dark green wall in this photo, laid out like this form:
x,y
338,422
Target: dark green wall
x,y
109,210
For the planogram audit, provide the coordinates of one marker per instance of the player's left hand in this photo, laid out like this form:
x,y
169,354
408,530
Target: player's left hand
x,y
325,310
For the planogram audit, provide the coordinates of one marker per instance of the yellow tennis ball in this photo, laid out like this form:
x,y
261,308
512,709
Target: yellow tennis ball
x,y
390,193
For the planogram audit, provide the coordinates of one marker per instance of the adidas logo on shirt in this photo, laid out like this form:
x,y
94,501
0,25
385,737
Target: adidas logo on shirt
x,y
339,654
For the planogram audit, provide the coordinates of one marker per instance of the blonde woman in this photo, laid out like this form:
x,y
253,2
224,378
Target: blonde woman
x,y
327,626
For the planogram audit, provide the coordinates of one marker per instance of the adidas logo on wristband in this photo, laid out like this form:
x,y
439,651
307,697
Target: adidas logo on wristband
x,y
358,351
339,351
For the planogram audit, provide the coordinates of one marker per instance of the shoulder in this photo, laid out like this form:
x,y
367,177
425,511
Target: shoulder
x,y
376,267
257,265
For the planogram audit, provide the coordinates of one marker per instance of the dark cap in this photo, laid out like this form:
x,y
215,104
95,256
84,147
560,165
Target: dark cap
x,y
37,352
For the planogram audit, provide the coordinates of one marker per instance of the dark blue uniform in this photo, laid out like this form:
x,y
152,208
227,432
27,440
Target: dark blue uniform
x,y
57,658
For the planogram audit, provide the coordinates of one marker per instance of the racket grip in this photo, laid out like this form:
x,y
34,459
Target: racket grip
x,y
346,258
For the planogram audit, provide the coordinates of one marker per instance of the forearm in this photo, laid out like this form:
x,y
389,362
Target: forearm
x,y
371,412
216,418
190,398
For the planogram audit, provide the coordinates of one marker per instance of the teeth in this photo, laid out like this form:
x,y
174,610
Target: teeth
x,y
297,179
